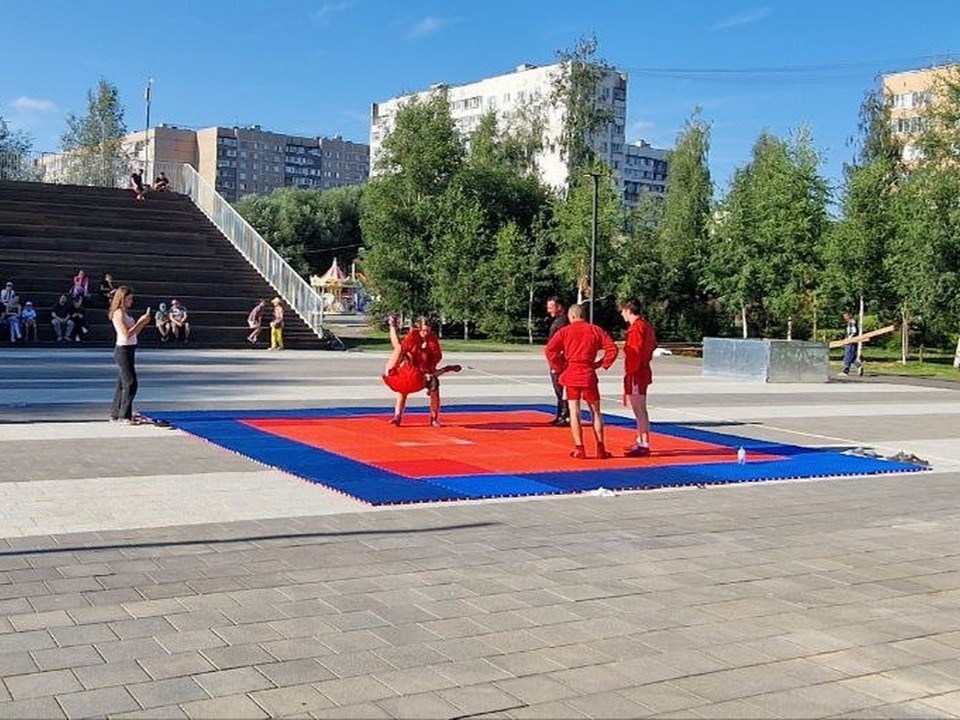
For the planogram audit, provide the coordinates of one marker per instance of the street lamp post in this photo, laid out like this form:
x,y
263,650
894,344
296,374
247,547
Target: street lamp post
x,y
148,97
593,243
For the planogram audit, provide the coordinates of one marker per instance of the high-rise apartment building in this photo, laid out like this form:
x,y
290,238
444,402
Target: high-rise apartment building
x,y
513,96
910,95
645,171
249,160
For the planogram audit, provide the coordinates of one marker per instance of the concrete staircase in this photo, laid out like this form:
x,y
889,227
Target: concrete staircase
x,y
163,248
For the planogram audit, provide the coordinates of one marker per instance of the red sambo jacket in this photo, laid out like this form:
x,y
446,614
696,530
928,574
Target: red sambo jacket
x,y
572,352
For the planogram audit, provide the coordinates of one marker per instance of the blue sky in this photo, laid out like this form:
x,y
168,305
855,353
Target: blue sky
x,y
313,68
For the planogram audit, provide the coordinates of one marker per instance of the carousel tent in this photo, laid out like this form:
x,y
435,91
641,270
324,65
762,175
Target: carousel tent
x,y
338,290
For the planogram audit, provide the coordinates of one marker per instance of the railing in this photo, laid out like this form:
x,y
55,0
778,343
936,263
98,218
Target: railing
x,y
301,298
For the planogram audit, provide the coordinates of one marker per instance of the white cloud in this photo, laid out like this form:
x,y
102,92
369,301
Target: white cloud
x,y
33,105
427,26
640,126
744,19
328,10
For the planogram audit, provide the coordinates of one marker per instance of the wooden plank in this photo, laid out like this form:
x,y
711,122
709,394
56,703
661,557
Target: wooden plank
x,y
863,337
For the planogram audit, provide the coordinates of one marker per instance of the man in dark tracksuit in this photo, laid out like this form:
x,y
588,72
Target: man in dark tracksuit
x,y
558,312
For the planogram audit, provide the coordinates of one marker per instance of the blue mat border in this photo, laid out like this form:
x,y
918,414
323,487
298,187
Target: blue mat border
x,y
376,486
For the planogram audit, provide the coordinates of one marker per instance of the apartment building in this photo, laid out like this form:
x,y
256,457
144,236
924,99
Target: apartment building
x,y
512,96
240,161
645,171
910,95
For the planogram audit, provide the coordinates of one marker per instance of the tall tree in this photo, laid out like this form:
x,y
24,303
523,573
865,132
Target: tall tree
x,y
924,258
683,230
14,150
462,248
93,141
573,218
773,222
307,227
854,251
421,156
576,89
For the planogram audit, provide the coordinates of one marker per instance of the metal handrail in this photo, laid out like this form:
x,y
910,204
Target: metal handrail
x,y
288,283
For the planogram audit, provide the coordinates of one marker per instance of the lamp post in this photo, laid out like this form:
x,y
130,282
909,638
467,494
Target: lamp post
x,y
593,242
148,98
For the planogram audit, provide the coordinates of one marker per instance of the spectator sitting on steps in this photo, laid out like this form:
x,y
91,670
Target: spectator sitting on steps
x,y
179,321
28,319
11,318
81,285
60,319
161,183
161,318
136,183
78,322
7,294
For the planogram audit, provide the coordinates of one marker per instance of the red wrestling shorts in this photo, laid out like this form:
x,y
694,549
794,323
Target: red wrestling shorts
x,y
405,379
636,383
590,393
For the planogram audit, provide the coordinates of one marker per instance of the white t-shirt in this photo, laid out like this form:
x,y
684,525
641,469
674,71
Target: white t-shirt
x,y
128,323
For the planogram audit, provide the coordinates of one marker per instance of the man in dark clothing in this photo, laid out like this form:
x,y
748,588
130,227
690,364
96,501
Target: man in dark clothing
x,y
558,312
60,319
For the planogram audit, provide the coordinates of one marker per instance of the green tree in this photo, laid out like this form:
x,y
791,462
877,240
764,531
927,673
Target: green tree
x,y
574,236
462,249
641,274
401,206
576,89
93,141
14,150
307,227
771,227
855,248
923,259
683,232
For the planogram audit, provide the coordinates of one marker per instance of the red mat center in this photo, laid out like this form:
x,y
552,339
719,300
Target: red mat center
x,y
481,443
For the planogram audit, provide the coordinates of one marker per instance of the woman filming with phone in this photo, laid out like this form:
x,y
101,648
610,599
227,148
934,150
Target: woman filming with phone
x,y
125,353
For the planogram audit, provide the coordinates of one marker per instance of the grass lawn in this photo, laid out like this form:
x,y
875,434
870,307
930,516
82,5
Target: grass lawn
x,y
878,361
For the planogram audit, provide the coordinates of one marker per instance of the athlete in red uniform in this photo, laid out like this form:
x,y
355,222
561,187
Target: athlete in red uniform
x,y
572,352
413,367
638,349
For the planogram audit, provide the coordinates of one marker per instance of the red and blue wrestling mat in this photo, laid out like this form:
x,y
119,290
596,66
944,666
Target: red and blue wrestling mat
x,y
486,451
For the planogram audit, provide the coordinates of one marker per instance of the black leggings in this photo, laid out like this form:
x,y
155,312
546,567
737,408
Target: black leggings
x,y
126,382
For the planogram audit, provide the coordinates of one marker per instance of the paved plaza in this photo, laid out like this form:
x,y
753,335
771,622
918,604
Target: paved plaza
x,y
147,573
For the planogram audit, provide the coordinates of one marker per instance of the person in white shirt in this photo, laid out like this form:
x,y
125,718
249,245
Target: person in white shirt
x,y
125,353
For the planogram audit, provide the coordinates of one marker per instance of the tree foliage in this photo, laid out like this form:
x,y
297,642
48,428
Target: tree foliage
x,y
440,228
682,241
576,90
765,259
14,150
93,140
307,227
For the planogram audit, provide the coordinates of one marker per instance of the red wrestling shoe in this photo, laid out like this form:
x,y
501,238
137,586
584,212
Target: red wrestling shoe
x,y
578,453
395,421
602,453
